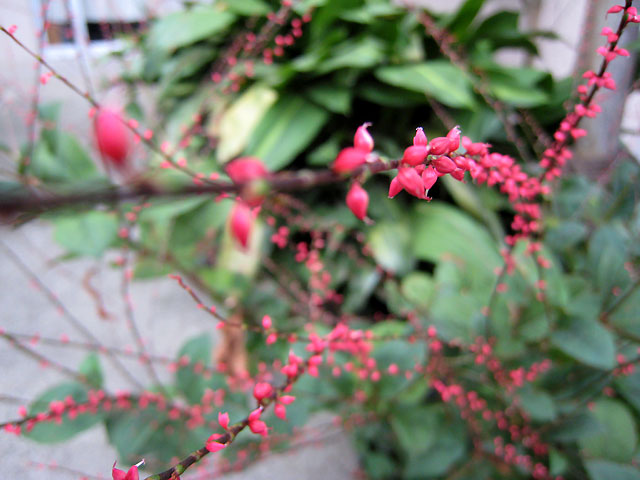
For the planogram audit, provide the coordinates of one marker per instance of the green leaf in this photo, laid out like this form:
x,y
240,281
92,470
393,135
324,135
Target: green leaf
x,y
415,428
391,246
442,230
566,235
518,95
186,27
188,381
248,7
64,161
442,455
286,130
361,286
603,470
617,442
539,405
587,341
459,22
53,432
91,369
241,118
362,53
629,388
418,288
334,98
438,78
88,233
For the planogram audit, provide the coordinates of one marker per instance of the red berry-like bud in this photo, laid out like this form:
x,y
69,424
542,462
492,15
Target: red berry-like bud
x,y
241,222
444,165
223,420
262,390
349,159
615,9
266,322
363,139
454,138
458,174
411,181
439,146
112,137
358,200
280,411
420,138
131,474
394,187
246,169
414,155
429,177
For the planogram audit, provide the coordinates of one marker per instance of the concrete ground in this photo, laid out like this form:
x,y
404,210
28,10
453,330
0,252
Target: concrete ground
x,y
163,312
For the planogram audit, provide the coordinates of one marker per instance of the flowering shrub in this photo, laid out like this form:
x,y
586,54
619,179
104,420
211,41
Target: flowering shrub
x,y
482,326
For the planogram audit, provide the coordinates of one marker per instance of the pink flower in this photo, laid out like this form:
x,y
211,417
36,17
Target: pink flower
x,y
266,322
213,445
444,165
358,200
262,390
118,474
246,169
394,187
241,223
420,138
349,159
112,137
415,155
363,139
411,181
223,419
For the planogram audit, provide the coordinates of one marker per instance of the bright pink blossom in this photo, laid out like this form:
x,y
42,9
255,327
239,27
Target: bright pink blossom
x,y
241,221
358,200
363,139
349,159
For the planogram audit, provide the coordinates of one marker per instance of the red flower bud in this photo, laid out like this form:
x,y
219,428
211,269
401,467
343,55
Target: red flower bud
x,y
246,169
454,138
458,174
118,474
420,138
411,181
349,159
262,390
280,411
363,139
444,165
429,177
394,187
439,146
615,9
223,419
414,155
112,137
266,322
241,222
358,200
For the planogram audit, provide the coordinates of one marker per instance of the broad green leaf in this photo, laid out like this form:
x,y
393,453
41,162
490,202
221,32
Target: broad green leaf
x,y
361,286
334,98
286,130
248,7
441,230
238,122
363,53
629,388
415,428
418,288
518,95
391,246
604,470
587,341
460,21
438,78
618,440
88,233
186,27
53,432
538,404
189,381
65,161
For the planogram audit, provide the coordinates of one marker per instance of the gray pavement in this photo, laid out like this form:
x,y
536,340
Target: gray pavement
x,y
163,312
